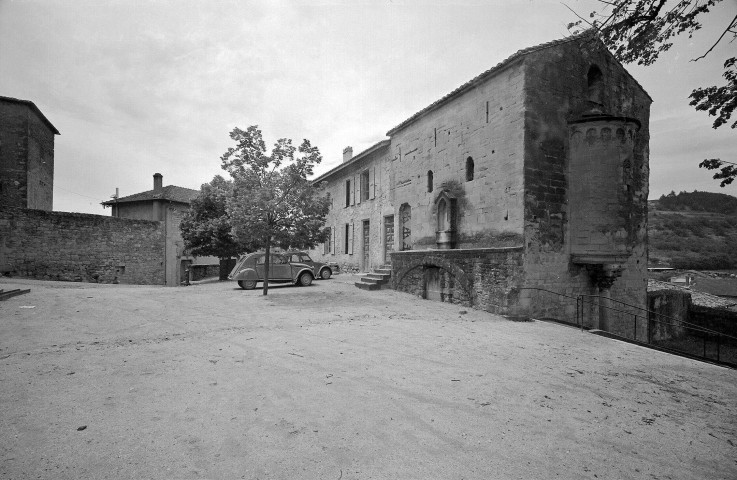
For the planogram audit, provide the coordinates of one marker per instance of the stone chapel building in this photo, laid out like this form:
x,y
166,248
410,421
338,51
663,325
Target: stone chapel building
x,y
531,178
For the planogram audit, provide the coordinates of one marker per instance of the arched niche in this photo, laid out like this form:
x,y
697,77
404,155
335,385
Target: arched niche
x,y
445,220
595,85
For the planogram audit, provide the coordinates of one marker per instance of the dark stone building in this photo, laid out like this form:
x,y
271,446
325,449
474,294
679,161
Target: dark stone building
x,y
26,155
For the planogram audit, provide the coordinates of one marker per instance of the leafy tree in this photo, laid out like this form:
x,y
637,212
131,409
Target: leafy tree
x,y
206,228
273,203
640,30
727,170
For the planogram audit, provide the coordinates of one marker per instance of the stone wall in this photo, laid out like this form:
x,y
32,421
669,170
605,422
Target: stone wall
x,y
721,320
486,125
81,247
667,310
484,278
558,92
350,209
26,158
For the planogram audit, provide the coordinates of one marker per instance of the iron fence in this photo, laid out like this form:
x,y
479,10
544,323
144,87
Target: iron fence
x,y
646,327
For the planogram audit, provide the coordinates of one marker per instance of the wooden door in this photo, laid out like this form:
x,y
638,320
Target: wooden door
x,y
388,238
366,249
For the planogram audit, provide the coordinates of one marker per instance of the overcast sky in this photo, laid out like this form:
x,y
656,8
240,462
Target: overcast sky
x,y
139,87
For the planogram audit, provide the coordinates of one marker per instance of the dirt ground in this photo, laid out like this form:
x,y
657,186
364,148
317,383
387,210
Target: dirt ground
x,y
332,382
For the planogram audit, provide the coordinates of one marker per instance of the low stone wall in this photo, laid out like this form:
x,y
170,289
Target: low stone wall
x,y
721,320
667,309
484,278
81,247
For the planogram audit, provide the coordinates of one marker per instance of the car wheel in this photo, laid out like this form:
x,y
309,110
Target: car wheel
x,y
325,274
247,284
305,280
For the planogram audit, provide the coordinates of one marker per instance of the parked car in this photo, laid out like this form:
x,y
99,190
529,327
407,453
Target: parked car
x,y
319,269
250,269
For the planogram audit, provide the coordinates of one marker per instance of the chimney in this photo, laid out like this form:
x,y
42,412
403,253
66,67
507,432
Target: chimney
x,y
347,154
158,180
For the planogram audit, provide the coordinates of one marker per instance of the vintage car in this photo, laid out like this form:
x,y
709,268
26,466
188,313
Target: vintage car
x,y
319,269
250,269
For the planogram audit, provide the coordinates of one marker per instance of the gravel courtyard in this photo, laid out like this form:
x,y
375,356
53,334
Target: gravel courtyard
x,y
331,382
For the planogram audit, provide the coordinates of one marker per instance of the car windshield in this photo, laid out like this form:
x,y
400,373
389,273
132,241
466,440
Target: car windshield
x,y
306,258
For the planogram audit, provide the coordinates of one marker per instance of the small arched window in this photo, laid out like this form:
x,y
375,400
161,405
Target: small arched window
x,y
469,169
429,181
595,84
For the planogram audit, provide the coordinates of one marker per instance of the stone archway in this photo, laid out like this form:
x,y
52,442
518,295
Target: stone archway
x,y
433,276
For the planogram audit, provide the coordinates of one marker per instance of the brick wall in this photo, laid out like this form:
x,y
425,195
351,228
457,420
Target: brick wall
x,y
81,247
484,278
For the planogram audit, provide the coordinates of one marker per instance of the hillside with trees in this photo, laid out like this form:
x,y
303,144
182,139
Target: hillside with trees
x,y
696,230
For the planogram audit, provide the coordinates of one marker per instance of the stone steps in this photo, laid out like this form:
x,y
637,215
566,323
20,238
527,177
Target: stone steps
x,y
376,279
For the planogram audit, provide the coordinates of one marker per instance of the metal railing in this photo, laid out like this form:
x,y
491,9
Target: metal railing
x,y
657,330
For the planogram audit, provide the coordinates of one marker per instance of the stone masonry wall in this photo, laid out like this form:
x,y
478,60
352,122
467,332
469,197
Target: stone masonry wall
x,y
484,278
80,247
358,210
557,92
26,158
486,124
667,310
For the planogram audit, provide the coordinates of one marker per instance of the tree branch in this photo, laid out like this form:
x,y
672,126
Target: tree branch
x,y
728,29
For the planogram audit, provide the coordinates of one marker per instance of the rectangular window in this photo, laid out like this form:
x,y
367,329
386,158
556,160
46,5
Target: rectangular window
x,y
347,233
347,193
365,190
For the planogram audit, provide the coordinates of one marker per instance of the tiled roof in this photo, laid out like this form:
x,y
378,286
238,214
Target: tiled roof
x,y
493,70
34,108
171,193
355,159
700,299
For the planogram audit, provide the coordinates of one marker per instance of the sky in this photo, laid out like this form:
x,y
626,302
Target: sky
x,y
140,87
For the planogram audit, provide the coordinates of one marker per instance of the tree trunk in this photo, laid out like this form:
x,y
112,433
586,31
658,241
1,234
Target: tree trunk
x,y
267,260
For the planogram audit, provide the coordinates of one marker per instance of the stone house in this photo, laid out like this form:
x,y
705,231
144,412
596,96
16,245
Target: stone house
x,y
26,155
167,205
517,192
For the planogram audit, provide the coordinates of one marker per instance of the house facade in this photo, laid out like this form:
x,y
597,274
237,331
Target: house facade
x,y
166,205
518,191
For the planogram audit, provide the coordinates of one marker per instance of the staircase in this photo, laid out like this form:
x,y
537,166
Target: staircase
x,y
377,279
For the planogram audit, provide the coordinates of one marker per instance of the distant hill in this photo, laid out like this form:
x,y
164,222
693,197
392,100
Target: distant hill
x,y
699,202
695,230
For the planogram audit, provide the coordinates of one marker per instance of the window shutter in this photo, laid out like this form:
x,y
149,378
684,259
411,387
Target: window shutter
x,y
350,240
372,183
352,193
359,187
332,244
